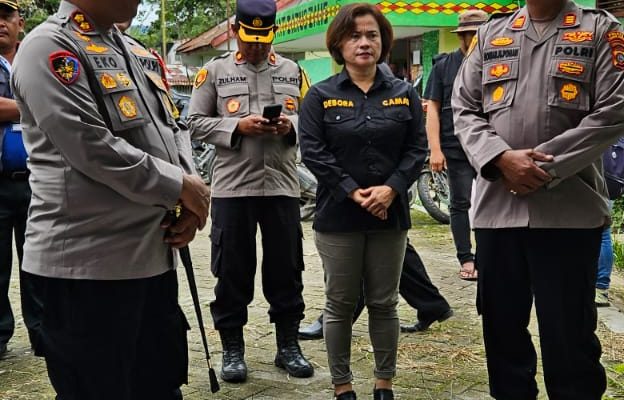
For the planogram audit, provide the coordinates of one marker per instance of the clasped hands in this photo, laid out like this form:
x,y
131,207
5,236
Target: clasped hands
x,y
195,204
521,175
375,199
256,125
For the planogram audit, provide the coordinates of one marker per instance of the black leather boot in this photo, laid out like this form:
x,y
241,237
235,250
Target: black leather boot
x,y
289,355
233,367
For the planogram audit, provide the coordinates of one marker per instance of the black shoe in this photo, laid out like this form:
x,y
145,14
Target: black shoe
x,y
289,356
233,367
425,324
3,349
313,331
350,395
383,394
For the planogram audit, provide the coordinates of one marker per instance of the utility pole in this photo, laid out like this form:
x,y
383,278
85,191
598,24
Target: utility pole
x,y
227,22
163,29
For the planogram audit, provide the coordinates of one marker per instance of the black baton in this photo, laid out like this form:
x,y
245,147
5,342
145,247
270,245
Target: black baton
x,y
185,255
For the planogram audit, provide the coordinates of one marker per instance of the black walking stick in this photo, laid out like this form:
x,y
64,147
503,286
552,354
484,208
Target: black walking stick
x,y
185,255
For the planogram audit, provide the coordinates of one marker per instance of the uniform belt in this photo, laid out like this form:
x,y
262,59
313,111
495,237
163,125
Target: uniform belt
x,y
15,175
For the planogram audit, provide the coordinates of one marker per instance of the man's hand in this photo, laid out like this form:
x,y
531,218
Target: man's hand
x,y
195,197
521,174
437,161
255,125
284,126
182,232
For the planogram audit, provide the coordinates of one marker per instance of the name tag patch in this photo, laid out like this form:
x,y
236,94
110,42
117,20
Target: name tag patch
x,y
397,101
499,54
577,51
337,103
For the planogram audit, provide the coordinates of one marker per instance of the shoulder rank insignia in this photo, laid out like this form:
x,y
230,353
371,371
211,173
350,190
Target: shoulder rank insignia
x,y
569,19
108,81
127,106
272,58
81,22
616,41
502,41
239,57
519,22
94,48
232,106
65,66
200,78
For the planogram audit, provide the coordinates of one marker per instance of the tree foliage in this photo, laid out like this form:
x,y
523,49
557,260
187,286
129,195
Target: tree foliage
x,y
184,19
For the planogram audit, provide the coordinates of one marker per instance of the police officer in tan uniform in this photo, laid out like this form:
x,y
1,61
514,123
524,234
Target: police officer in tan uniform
x,y
108,165
254,183
535,104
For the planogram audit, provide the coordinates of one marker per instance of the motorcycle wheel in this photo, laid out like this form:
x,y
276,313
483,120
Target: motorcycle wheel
x,y
435,202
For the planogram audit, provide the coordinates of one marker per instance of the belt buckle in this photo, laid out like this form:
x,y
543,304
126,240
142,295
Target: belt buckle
x,y
19,175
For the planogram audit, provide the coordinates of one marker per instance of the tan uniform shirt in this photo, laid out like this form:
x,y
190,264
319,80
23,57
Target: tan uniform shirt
x,y
104,156
227,89
561,93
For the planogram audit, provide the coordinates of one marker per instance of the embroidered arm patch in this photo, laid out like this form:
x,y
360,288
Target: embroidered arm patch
x,y
65,66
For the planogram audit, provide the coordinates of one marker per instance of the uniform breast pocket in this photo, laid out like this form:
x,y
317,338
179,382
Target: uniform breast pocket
x,y
340,124
569,84
233,100
287,95
398,116
499,85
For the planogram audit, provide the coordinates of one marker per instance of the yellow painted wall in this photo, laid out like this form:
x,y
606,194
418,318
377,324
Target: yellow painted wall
x,y
448,41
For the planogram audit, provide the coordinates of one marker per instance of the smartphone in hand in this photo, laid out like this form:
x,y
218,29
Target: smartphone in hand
x,y
272,112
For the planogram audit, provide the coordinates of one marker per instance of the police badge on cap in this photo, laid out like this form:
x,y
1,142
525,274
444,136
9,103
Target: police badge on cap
x,y
13,5
256,20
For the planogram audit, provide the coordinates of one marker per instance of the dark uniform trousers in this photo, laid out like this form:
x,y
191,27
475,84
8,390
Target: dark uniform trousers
x,y
557,268
233,259
416,288
14,201
460,176
95,332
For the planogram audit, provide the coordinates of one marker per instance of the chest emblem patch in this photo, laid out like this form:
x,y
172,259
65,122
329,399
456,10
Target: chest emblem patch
x,y
65,66
502,41
127,106
83,37
569,91
499,70
123,79
94,48
108,81
498,94
289,104
519,22
571,68
200,78
578,37
569,19
232,106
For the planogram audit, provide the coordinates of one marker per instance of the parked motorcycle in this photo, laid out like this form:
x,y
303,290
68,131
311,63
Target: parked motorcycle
x,y
433,192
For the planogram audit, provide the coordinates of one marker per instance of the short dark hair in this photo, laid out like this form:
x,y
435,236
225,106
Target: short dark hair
x,y
344,24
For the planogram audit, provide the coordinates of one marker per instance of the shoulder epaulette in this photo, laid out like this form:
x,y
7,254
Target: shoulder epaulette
x,y
606,13
498,15
224,55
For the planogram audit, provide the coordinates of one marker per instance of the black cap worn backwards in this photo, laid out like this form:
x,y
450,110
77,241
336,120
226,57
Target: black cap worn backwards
x,y
256,19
